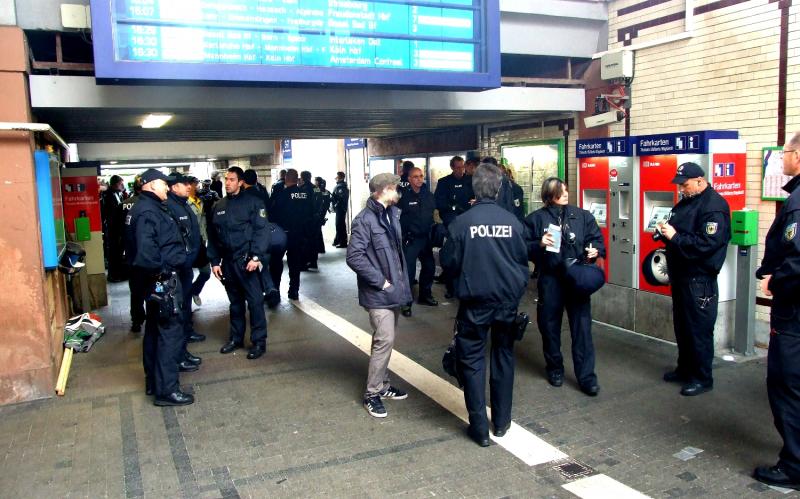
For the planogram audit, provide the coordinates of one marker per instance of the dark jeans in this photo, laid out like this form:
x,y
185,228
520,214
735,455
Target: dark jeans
x,y
783,388
162,349
203,275
694,312
422,250
554,297
186,275
471,354
139,285
296,259
245,287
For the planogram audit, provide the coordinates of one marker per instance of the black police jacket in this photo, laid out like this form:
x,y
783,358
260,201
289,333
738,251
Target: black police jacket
x,y
153,239
703,230
782,262
190,228
453,196
416,213
322,203
579,229
340,196
260,193
293,210
486,252
375,254
238,229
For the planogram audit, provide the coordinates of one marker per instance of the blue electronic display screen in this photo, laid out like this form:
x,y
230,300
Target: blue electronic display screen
x,y
409,43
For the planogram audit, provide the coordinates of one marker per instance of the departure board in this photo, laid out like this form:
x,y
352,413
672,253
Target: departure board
x,y
415,43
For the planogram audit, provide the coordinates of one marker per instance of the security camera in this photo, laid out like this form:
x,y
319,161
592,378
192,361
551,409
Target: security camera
x,y
603,119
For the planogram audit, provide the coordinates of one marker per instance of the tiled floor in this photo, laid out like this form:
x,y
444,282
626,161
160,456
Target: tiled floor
x,y
291,423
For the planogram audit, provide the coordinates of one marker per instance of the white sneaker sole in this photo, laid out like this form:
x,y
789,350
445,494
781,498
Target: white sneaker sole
x,y
394,397
375,414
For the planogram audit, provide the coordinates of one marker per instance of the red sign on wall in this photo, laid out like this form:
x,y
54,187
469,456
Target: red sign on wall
x,y
729,177
81,194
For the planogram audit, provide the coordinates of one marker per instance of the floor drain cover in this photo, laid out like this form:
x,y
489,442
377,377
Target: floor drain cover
x,y
573,469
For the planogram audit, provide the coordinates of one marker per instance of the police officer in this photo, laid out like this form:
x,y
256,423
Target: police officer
x,y
486,253
780,278
278,185
416,219
322,203
253,187
340,197
697,236
453,197
137,282
580,240
292,210
517,194
156,249
238,240
177,204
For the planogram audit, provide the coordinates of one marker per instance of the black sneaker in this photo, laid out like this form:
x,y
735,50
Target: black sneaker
x,y
375,407
293,295
394,393
136,328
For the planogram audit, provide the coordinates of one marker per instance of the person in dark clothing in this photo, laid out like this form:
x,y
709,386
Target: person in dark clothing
x,y
780,279
517,194
216,184
340,198
375,255
470,165
486,253
697,236
580,239
322,203
453,197
177,200
292,210
137,282
405,169
416,219
114,228
238,241
155,248
278,185
258,190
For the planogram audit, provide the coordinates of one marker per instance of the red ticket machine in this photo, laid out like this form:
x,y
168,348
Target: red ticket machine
x,y
723,157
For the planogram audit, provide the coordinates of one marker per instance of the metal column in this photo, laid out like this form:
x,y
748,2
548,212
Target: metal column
x,y
744,320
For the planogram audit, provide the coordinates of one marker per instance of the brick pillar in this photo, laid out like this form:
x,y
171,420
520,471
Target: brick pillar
x,y
31,322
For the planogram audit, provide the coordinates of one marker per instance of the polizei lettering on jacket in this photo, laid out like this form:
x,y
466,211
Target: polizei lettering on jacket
x,y
299,195
489,231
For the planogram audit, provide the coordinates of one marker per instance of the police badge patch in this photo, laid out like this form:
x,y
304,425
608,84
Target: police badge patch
x,y
262,213
516,203
711,228
790,231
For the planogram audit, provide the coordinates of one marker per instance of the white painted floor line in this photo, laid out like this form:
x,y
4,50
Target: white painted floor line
x,y
602,487
520,442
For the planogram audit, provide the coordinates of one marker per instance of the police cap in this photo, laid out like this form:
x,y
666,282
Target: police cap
x,y
687,171
585,279
152,174
179,178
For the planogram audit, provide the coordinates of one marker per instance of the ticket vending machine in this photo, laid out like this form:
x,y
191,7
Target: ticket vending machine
x,y
606,187
723,157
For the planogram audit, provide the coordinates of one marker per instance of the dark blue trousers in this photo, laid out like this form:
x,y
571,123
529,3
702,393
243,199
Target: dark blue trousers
x,y
783,388
162,349
554,297
471,343
694,312
245,290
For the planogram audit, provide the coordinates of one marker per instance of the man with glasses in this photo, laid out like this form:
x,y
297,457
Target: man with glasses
x,y
780,279
697,235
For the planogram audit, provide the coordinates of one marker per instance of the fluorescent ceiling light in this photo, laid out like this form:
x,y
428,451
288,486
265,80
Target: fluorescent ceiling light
x,y
112,162
156,120
211,159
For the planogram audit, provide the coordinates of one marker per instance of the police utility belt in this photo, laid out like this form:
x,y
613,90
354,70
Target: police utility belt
x,y
165,294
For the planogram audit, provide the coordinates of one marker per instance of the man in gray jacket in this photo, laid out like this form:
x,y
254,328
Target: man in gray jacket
x,y
375,254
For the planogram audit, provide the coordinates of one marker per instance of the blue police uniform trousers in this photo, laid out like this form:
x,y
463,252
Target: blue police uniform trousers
x,y
162,348
554,297
783,389
185,275
138,286
694,312
471,342
420,248
243,286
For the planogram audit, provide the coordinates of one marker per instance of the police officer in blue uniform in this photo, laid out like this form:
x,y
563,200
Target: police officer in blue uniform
x,y
453,197
137,283
180,211
293,211
416,219
780,279
238,240
697,236
486,252
580,240
156,249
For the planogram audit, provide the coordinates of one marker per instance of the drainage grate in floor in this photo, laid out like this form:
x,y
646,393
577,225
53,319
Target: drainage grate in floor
x,y
573,469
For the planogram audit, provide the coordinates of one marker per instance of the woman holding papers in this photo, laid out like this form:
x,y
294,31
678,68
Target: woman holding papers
x,y
561,235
